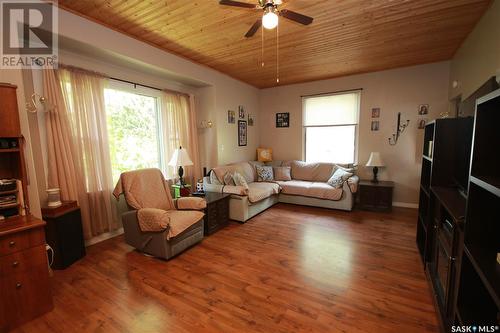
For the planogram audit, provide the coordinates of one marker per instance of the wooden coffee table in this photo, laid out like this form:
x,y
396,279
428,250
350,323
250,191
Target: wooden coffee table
x,y
217,211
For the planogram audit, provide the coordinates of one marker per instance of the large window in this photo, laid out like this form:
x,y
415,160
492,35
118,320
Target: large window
x,y
133,129
330,127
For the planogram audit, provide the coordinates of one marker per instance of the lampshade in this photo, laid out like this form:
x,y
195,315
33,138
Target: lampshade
x,y
375,160
180,157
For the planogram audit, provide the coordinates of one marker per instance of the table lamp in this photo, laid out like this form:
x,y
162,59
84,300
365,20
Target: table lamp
x,y
375,161
180,158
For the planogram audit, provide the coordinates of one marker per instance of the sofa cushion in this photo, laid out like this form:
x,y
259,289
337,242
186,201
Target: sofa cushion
x,y
244,168
259,191
339,177
324,191
317,172
318,190
282,173
239,180
294,187
264,173
228,178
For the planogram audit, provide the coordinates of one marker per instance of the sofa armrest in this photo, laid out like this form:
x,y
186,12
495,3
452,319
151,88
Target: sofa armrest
x,y
190,203
209,187
238,190
353,182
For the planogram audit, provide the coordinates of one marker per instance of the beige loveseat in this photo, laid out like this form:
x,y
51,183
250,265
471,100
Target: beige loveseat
x,y
308,186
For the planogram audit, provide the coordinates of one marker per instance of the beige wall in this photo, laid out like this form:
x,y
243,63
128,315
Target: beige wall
x,y
478,58
227,93
398,90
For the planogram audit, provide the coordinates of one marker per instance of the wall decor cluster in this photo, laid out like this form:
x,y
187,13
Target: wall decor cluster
x,y
283,119
231,117
375,123
242,133
423,110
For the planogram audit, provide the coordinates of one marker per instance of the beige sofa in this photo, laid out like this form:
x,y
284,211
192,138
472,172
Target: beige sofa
x,y
308,186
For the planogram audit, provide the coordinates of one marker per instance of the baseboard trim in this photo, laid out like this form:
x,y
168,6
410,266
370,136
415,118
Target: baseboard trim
x,y
103,237
405,204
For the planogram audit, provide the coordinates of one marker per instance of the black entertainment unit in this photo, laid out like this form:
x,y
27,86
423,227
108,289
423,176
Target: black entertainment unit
x,y
458,228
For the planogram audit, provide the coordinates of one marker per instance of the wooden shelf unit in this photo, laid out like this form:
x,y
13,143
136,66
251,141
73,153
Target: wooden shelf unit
x,y
480,275
442,212
461,238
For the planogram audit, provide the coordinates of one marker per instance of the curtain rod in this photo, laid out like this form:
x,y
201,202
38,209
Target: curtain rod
x,y
332,92
135,84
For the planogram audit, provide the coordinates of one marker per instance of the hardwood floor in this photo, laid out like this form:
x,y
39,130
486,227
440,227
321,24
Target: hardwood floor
x,y
290,269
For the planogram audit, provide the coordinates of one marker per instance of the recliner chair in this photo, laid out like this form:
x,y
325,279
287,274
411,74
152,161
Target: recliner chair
x,y
147,188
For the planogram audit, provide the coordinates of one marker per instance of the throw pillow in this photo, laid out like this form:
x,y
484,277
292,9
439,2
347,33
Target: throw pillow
x,y
213,178
239,180
339,177
264,173
228,178
282,173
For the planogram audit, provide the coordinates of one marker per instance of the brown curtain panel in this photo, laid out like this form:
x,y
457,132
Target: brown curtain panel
x,y
78,142
179,128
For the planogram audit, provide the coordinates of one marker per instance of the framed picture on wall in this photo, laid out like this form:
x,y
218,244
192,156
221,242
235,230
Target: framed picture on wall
x,y
251,120
283,119
241,112
231,117
375,112
242,133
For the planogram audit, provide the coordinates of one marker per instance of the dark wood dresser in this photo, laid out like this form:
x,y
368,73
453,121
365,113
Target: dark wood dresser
x,y
217,211
64,233
375,196
25,290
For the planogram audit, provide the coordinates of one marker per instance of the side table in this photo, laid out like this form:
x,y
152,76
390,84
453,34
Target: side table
x,y
64,233
375,196
217,211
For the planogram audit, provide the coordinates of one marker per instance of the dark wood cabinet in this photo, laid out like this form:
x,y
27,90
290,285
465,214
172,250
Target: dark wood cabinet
x,y
25,290
375,196
11,127
457,228
64,233
217,211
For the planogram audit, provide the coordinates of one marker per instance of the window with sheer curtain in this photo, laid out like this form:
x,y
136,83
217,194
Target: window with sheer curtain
x,y
330,127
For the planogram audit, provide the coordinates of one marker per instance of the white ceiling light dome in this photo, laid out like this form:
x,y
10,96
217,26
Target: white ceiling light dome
x,y
270,19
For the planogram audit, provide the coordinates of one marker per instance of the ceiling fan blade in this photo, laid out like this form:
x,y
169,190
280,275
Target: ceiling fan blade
x,y
236,4
254,28
291,15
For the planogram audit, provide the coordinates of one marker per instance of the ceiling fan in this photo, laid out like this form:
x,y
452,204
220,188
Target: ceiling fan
x,y
270,17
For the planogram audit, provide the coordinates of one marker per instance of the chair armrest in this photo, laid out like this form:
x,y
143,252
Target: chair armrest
x,y
190,203
353,182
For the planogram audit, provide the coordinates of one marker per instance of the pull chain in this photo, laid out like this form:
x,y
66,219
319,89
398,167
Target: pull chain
x,y
262,48
277,54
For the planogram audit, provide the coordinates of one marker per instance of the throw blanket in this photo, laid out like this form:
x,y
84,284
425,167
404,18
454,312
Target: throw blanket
x,y
147,192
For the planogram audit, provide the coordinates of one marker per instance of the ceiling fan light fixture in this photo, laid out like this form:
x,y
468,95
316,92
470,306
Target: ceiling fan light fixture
x,y
270,19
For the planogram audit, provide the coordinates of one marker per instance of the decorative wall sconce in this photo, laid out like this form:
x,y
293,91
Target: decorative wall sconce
x,y
206,124
400,128
36,102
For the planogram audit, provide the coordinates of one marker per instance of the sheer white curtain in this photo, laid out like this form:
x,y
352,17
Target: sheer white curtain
x,y
85,114
178,128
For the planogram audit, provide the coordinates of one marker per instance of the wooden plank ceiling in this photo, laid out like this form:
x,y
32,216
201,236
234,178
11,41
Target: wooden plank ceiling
x,y
346,37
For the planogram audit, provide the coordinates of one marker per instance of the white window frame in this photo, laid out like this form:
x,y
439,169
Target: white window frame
x,y
356,125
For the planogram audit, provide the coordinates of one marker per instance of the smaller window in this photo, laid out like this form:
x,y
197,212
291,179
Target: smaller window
x,y
330,127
